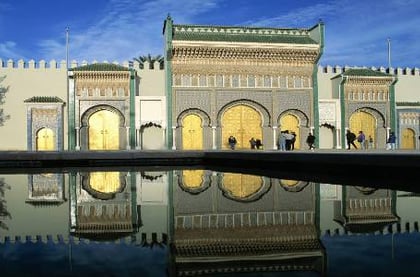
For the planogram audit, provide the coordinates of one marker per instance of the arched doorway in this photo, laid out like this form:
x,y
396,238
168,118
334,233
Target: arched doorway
x,y
290,122
242,122
192,132
408,140
45,139
363,121
104,131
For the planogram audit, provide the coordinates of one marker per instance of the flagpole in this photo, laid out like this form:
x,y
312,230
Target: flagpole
x,y
67,47
389,53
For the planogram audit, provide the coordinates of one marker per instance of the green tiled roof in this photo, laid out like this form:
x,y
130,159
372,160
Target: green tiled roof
x,y
364,72
100,67
241,34
44,99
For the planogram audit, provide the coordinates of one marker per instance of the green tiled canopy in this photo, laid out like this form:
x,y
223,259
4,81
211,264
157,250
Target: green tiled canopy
x,y
44,99
100,67
241,34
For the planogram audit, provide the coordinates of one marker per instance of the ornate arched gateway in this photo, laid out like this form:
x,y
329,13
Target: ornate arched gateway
x,y
101,107
241,78
243,122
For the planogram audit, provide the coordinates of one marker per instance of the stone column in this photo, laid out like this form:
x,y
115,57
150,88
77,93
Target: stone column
x,y
338,139
213,128
173,137
77,138
274,137
138,139
164,137
128,137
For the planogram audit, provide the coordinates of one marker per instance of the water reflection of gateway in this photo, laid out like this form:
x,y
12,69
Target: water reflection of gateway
x,y
243,223
365,210
102,205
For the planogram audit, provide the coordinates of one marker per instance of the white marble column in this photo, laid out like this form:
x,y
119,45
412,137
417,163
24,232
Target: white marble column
x,y
138,138
128,137
164,137
77,138
173,137
274,137
213,129
338,138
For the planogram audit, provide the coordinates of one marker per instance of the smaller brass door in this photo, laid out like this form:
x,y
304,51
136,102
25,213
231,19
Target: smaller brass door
x,y
192,132
408,140
45,140
104,131
290,123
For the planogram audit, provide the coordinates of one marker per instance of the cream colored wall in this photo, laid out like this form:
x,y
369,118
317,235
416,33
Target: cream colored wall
x,y
324,83
407,89
25,83
49,79
152,81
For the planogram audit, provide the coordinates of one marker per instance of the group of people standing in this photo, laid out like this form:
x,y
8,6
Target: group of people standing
x,y
367,143
286,141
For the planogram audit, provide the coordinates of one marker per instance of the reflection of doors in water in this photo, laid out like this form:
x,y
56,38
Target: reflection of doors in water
x,y
45,139
192,178
192,132
363,121
408,139
241,185
104,131
291,123
105,182
242,122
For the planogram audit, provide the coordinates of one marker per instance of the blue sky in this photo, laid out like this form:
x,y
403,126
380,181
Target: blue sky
x,y
356,31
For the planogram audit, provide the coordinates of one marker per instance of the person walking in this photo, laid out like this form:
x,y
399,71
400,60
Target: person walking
x,y
310,140
361,140
351,137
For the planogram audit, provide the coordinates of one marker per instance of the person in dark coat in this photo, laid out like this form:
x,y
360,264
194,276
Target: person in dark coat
x,y
351,137
310,140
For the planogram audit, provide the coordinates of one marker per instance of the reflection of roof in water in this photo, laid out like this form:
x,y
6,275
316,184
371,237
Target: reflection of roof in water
x,y
252,249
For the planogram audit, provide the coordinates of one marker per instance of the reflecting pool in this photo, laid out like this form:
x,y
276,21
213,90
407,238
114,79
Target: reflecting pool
x,y
192,222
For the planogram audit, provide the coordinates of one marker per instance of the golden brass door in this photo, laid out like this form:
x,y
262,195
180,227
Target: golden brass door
x,y
408,140
290,123
45,140
192,132
104,131
105,182
242,122
241,185
363,121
